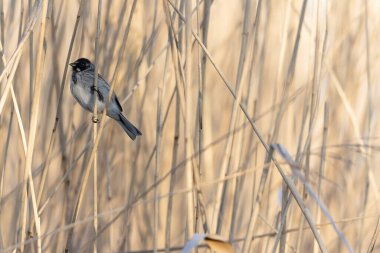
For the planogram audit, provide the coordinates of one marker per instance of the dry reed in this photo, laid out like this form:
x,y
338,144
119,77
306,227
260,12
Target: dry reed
x,y
213,86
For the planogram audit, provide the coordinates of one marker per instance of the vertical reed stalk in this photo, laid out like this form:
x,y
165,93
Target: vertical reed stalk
x,y
198,125
4,160
96,120
172,176
368,130
160,98
188,117
32,135
322,164
2,35
225,167
31,65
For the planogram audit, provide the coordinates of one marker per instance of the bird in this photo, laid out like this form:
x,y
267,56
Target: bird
x,y
82,86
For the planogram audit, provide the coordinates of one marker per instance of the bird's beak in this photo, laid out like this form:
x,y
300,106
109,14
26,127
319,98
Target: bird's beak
x,y
72,64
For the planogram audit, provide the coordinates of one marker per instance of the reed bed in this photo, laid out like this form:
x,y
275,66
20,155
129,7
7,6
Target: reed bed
x,y
259,122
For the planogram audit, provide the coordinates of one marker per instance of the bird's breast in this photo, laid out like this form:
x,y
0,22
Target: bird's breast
x,y
81,90
81,94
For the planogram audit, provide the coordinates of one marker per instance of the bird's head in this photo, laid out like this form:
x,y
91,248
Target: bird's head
x,y
81,64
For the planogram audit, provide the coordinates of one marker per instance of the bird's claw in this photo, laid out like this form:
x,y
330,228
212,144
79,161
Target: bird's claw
x,y
95,119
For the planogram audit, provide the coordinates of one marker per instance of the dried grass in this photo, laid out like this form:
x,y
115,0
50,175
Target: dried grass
x,y
212,85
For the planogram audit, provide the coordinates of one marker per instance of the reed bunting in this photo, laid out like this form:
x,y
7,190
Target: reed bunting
x,y
83,89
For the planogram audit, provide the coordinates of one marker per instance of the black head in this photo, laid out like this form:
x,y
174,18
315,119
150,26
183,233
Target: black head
x,y
81,64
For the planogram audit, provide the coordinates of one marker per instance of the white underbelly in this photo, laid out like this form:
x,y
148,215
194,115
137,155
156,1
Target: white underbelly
x,y
82,94
86,98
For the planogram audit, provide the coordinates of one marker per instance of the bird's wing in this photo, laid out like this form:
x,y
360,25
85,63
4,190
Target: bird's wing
x,y
118,103
107,87
105,82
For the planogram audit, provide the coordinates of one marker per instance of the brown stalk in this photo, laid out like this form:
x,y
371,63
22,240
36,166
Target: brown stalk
x,y
322,164
368,129
20,47
172,176
32,135
188,114
226,167
95,127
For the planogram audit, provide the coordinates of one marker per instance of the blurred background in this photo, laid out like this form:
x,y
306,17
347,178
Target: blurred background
x,y
304,72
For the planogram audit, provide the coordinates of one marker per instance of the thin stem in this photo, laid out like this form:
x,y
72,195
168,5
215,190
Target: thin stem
x,y
95,120
32,135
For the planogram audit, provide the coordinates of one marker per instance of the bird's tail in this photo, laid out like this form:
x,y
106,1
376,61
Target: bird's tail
x,y
128,127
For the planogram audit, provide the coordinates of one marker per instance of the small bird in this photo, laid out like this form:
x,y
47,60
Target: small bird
x,y
83,89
